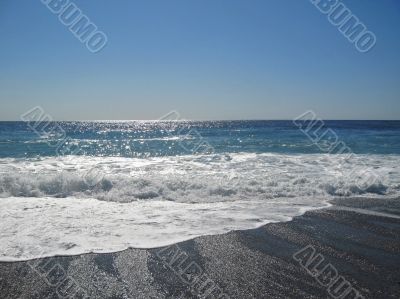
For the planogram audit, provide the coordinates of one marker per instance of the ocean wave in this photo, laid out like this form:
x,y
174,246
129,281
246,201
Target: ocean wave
x,y
210,178
105,204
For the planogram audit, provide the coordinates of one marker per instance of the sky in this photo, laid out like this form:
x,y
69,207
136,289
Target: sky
x,y
206,59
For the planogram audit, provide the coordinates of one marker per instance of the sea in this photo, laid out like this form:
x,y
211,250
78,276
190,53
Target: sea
x,y
70,188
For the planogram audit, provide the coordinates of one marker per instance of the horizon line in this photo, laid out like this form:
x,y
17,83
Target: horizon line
x,y
198,120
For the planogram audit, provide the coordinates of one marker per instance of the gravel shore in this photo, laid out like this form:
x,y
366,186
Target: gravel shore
x,y
351,250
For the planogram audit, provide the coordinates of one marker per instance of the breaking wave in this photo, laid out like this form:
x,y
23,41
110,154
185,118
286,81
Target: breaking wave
x,y
200,178
103,204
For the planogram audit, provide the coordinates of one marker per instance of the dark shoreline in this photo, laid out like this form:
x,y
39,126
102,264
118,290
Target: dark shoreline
x,y
258,263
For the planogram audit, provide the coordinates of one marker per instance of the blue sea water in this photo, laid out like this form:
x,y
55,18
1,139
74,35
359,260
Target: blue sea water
x,y
76,187
169,138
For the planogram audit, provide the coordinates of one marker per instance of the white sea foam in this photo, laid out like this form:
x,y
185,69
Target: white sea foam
x,y
48,208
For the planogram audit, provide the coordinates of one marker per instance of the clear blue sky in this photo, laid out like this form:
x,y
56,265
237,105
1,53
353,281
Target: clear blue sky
x,y
207,59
